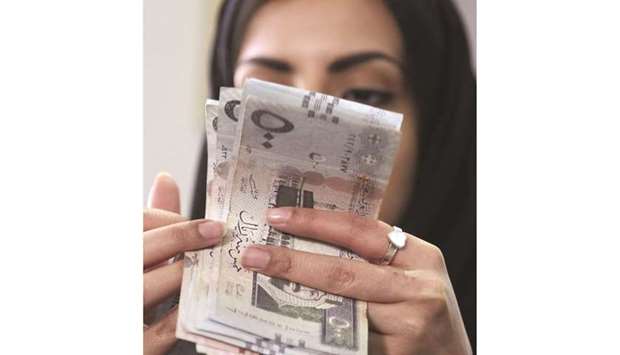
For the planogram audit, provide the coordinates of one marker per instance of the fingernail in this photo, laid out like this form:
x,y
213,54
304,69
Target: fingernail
x,y
255,258
278,215
211,230
164,175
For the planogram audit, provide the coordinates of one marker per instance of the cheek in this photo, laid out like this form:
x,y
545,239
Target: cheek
x,y
407,152
402,179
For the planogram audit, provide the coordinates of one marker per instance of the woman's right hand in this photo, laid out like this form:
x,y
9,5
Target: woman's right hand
x,y
167,234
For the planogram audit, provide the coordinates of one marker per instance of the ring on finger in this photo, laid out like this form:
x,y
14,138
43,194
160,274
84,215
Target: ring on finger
x,y
397,239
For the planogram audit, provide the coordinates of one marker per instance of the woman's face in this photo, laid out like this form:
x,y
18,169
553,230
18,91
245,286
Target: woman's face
x,y
346,48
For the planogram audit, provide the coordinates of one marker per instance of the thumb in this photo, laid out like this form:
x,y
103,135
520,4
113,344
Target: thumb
x,y
164,194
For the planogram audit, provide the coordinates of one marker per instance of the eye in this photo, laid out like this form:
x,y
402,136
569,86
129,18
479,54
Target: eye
x,y
370,97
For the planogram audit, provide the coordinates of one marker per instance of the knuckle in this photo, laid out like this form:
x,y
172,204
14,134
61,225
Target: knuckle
x,y
280,264
296,216
148,217
358,225
435,297
435,255
155,218
149,213
340,279
304,217
182,235
352,225
432,304
409,282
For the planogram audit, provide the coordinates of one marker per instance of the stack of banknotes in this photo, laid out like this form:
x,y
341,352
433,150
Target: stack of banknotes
x,y
271,145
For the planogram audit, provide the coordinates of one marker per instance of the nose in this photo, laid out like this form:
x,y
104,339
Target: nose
x,y
311,80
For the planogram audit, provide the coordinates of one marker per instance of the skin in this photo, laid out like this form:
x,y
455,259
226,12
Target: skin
x,y
316,45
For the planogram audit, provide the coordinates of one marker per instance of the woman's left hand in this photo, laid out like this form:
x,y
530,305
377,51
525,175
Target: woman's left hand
x,y
411,304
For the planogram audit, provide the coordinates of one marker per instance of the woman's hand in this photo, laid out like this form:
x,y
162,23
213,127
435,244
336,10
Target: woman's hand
x,y
412,308
167,234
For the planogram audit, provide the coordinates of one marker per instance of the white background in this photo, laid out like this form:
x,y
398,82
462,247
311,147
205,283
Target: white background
x,y
71,185
177,40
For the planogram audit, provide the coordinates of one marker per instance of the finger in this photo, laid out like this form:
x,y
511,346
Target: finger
x,y
164,194
381,317
165,242
354,279
160,336
365,236
161,283
155,218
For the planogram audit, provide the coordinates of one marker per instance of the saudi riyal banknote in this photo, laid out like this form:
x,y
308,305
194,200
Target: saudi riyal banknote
x,y
193,260
223,129
303,149
271,145
196,273
220,130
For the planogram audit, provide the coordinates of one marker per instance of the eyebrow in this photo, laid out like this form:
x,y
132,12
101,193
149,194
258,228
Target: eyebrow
x,y
270,63
349,61
339,65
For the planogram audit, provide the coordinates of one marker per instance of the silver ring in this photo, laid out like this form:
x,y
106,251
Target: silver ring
x,y
397,240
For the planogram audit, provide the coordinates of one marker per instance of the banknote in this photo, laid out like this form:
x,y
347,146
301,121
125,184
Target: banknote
x,y
223,126
271,145
297,148
220,138
202,349
195,284
188,299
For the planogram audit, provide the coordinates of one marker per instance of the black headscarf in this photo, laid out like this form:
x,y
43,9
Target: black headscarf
x,y
442,209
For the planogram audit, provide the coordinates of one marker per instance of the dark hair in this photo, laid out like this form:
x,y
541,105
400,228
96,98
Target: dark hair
x,y
442,209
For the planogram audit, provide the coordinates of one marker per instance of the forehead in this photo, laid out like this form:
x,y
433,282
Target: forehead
x,y
320,30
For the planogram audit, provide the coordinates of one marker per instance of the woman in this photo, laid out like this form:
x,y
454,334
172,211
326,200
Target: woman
x,y
404,56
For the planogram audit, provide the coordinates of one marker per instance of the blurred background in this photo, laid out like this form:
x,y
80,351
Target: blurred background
x,y
177,38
